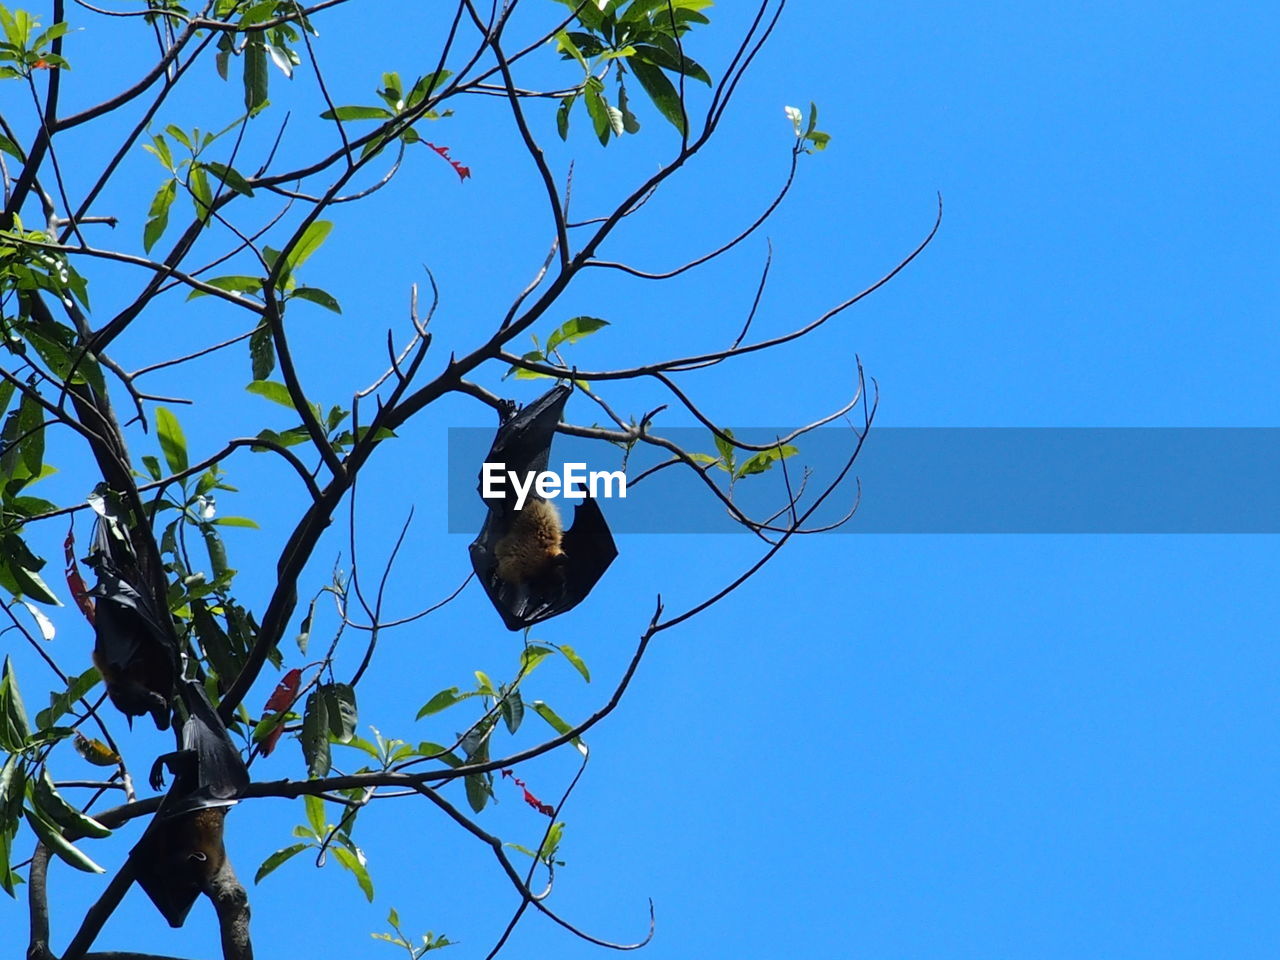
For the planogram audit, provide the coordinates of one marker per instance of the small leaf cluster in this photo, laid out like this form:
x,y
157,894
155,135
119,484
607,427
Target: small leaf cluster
x,y
192,173
429,940
727,461
27,789
642,39
26,267
809,137
339,437
569,332
330,716
501,702
320,835
23,49
257,43
51,355
398,104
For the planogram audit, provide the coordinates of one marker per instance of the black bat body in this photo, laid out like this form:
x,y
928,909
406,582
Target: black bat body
x,y
134,646
178,860
182,852
531,567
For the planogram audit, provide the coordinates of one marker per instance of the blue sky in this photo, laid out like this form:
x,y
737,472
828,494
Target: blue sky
x,y
884,746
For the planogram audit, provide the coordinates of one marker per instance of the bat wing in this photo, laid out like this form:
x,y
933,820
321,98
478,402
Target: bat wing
x,y
523,441
163,871
133,643
219,774
589,549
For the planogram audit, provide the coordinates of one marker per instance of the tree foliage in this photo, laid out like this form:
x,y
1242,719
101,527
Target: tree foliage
x,y
240,235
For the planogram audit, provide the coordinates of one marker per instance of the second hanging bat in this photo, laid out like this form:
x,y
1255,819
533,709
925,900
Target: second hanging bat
x,y
531,567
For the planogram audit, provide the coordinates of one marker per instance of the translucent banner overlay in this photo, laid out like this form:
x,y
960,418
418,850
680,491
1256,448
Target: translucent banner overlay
x,y
938,480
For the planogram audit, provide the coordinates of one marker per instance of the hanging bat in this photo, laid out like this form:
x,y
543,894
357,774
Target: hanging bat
x,y
134,646
182,853
530,566
179,858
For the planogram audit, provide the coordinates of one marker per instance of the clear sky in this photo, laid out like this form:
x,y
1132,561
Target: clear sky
x,y
885,746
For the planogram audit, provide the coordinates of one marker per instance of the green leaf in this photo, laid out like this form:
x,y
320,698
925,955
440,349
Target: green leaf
x,y
158,215
231,284
442,700
30,420
726,449
60,703
307,244
52,838
217,553
818,139
48,36
201,192
340,699
571,331
180,135
630,124
255,72
317,296
565,45
273,390
172,443
392,89
21,565
54,808
598,109
558,723
765,459
551,843
533,356
18,568
477,789
277,858
315,735
660,90
426,85
314,808
578,663
8,879
159,148
562,115
230,177
237,522
11,148
512,707
531,656
262,352
435,751
13,781
354,863
357,113
15,730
